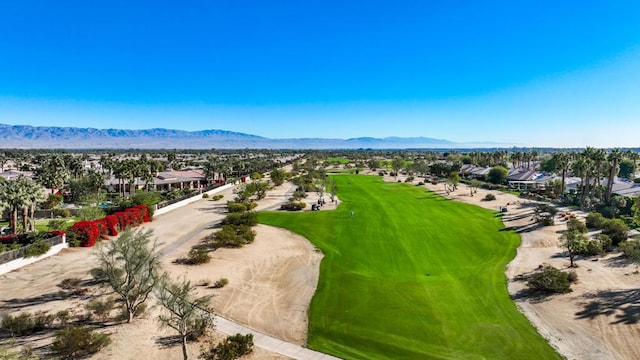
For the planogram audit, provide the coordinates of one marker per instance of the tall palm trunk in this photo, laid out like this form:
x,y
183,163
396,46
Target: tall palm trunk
x,y
14,220
25,218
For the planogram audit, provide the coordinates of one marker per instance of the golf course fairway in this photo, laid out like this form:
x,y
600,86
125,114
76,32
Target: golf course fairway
x,y
411,275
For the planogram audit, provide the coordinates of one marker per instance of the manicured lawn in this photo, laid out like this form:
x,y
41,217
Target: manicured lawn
x,y
337,160
411,276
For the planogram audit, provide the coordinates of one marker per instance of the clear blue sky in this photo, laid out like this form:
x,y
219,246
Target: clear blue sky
x,y
539,73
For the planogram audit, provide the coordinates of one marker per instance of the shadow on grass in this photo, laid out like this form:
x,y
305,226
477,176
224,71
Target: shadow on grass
x,y
622,305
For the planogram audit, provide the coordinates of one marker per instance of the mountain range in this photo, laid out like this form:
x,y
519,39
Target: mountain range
x,y
48,137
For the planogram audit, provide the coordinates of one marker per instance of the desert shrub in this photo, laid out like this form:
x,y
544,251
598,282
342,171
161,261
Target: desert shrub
x,y
220,283
198,256
101,309
205,196
9,350
217,197
591,248
572,276
550,280
605,241
576,225
616,229
71,287
78,341
233,236
236,206
37,248
489,197
63,316
21,324
233,347
248,218
293,206
70,283
26,323
595,220
631,249
409,179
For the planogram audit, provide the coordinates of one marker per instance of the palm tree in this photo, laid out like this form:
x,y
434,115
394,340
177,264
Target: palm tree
x,y
599,157
53,174
634,156
33,194
614,158
562,164
15,197
580,167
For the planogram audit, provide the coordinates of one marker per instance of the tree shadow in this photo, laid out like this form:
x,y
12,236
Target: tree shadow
x,y
531,296
170,341
17,303
523,228
623,305
619,261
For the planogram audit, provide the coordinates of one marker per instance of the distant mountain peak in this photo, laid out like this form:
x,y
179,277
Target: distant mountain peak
x,y
26,136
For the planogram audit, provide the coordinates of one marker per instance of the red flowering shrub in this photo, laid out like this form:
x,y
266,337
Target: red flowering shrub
x,y
86,232
8,238
112,224
56,232
102,226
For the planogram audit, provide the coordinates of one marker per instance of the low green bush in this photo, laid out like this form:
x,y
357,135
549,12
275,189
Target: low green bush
x,y
220,283
101,309
293,206
549,281
75,342
616,229
217,197
577,225
248,218
233,347
205,196
233,236
595,220
198,256
37,248
489,197
26,323
631,249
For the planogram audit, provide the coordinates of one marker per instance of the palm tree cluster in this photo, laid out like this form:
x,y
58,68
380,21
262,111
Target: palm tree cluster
x,y
21,195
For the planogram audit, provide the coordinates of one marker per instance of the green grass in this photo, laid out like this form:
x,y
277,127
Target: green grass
x,y
512,192
337,160
411,276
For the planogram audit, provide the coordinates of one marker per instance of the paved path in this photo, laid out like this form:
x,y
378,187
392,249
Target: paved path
x,y
231,328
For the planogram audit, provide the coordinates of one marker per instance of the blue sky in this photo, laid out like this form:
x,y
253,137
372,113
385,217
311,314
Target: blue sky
x,y
537,73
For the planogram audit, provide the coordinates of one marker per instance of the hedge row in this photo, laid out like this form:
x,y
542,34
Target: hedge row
x,y
87,232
